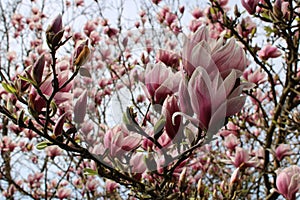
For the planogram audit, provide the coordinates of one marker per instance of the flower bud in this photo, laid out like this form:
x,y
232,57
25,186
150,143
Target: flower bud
x,y
269,51
250,5
58,128
81,54
170,107
54,32
38,69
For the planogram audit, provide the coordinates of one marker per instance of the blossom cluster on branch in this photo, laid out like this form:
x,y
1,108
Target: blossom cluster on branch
x,y
180,102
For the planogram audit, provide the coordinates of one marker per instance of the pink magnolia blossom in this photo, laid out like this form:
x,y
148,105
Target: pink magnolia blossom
x,y
197,13
89,27
79,2
247,27
269,51
7,144
38,69
170,107
92,184
181,9
111,186
95,37
235,176
212,99
37,103
164,140
255,77
241,158
119,140
81,53
231,129
11,55
223,2
288,182
195,24
168,58
283,150
212,55
231,141
250,5
111,32
53,151
63,193
58,128
170,18
281,8
54,32
160,82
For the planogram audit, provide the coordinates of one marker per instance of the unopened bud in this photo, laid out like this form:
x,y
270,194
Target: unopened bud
x,y
236,11
58,128
54,32
277,9
81,54
38,69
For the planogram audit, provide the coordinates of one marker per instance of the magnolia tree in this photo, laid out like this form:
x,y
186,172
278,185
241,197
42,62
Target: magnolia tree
x,y
152,100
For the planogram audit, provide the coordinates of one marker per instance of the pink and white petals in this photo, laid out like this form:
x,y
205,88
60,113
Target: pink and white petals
x,y
80,108
288,182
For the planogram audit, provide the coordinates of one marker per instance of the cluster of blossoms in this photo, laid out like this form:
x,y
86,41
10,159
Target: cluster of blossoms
x,y
185,130
207,89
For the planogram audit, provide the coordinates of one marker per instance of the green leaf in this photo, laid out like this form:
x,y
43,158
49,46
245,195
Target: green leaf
x,y
42,145
27,79
53,107
9,88
268,30
89,171
159,126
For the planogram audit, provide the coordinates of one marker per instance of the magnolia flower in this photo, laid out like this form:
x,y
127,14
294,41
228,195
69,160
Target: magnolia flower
x,y
160,82
197,13
168,58
231,141
283,150
250,5
280,8
111,186
38,69
255,77
269,51
211,99
288,182
58,128
246,27
241,158
170,106
54,32
81,53
214,56
53,151
63,193
119,140
187,58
